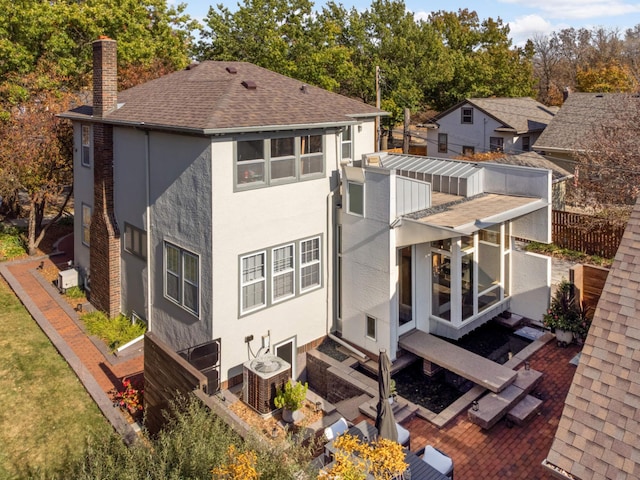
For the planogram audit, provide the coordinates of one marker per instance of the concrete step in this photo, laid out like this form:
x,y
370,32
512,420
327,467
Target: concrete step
x,y
524,410
402,409
494,406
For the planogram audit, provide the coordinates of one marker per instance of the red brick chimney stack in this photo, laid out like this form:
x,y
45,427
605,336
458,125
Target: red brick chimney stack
x,y
105,76
104,254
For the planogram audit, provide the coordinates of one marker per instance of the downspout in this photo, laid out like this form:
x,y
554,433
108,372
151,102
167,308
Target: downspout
x,y
147,164
329,306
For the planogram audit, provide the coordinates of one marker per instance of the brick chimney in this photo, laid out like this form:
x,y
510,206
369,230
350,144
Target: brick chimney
x,y
105,236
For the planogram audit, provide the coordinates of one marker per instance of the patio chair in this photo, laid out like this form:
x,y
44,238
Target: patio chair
x,y
438,460
335,429
404,437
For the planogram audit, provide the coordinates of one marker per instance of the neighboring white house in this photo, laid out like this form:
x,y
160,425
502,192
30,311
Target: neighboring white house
x,y
479,125
428,244
206,201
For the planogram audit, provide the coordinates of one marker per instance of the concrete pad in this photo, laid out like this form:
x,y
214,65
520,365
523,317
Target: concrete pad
x,y
471,366
529,333
527,379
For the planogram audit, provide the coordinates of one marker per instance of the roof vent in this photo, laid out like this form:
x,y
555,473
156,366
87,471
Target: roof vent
x,y
599,95
304,89
192,66
232,70
249,84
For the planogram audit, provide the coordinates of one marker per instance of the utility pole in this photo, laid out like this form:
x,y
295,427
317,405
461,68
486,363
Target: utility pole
x,y
378,129
406,134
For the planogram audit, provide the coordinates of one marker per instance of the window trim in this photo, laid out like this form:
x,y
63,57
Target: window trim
x,y
466,115
443,143
275,275
86,227
85,148
375,327
180,276
298,265
349,194
317,261
496,146
349,142
133,231
263,280
299,157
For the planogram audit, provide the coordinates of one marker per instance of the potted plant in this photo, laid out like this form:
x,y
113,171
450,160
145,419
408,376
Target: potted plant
x,y
289,398
566,316
392,391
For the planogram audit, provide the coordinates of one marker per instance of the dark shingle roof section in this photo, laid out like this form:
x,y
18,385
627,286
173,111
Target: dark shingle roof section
x,y
580,115
210,98
521,114
533,159
598,435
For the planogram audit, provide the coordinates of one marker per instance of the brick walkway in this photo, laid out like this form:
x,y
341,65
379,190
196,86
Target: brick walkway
x,y
504,452
98,370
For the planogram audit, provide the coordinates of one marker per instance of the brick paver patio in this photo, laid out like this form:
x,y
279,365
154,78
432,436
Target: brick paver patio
x,y
504,452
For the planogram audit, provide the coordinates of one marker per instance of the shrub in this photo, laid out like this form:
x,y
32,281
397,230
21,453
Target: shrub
x,y
565,312
113,331
11,243
291,396
74,293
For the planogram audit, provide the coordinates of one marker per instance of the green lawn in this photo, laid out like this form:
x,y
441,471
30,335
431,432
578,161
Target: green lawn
x,y
45,413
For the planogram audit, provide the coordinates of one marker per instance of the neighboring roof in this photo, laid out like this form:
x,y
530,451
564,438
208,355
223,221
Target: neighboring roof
x,y
580,114
598,435
533,159
208,98
520,115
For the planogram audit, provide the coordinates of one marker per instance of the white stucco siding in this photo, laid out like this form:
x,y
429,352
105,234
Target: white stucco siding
x,y
364,138
82,194
130,200
250,221
180,209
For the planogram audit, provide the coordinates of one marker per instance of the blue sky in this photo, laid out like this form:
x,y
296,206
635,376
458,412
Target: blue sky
x,y
525,17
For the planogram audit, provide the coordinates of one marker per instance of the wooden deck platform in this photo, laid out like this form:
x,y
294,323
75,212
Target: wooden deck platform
x,y
479,370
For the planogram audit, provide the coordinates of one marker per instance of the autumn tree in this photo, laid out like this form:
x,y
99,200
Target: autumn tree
x,y
35,154
608,167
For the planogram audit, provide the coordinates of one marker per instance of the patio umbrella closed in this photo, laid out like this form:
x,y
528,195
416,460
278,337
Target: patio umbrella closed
x,y
385,423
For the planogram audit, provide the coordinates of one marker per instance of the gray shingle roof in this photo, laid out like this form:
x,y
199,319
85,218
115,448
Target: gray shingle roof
x,y
598,435
580,114
533,159
522,114
208,98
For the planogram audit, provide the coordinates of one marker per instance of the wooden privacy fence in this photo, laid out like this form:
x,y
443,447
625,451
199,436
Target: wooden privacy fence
x,y
586,233
589,282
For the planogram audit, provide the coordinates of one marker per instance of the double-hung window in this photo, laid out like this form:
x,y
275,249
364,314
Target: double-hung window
x,y
253,281
347,143
467,115
86,224
85,154
309,264
182,277
311,155
283,273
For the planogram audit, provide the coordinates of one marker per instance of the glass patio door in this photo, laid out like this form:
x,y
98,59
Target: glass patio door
x,y
406,321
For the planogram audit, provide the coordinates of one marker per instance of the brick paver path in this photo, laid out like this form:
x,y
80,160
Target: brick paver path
x,y
108,372
504,452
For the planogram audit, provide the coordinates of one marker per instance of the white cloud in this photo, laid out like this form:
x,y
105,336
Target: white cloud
x,y
421,15
580,9
528,26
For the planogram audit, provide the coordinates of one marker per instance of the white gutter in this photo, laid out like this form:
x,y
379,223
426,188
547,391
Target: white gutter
x,y
147,164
